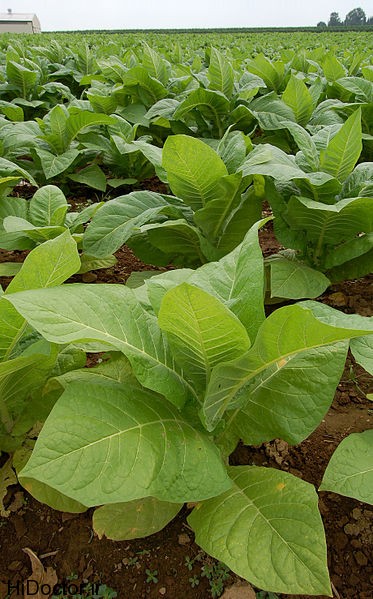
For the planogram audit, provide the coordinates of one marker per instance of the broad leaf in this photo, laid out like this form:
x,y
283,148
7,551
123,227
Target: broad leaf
x,y
133,520
267,529
272,73
343,151
180,241
295,355
291,279
330,224
48,206
48,265
108,316
232,280
202,332
9,269
118,219
212,104
193,169
53,165
297,96
350,470
269,160
91,175
129,449
362,350
220,73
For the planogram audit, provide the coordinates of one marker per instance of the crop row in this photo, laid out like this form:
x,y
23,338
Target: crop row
x,y
191,364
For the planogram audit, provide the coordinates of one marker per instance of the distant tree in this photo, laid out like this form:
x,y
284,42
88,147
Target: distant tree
x,y
356,17
370,21
321,25
334,20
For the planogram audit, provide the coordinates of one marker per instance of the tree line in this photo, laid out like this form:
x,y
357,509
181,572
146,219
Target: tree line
x,y
355,18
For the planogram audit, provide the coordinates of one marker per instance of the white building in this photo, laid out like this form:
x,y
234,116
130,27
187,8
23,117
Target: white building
x,y
12,22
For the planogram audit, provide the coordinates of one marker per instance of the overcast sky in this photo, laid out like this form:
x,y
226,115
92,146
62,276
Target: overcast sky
x,y
65,15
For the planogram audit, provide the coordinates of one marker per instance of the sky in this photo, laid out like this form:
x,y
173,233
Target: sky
x,y
69,15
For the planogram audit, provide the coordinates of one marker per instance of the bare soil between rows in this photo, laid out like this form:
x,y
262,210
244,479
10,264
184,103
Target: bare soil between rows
x,y
67,544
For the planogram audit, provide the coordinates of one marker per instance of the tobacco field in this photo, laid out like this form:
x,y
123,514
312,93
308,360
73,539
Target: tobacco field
x,y
186,317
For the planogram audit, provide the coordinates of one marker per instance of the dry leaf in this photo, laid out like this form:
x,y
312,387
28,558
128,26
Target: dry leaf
x,y
18,502
39,577
8,478
240,590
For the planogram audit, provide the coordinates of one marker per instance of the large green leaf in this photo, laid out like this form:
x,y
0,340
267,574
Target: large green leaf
x,y
285,383
354,248
48,265
139,83
212,104
220,73
272,73
91,175
180,241
53,165
51,497
291,279
14,224
237,276
332,68
107,444
359,182
202,332
232,148
362,350
193,169
344,149
361,347
215,216
48,206
353,269
118,219
267,529
11,111
133,520
8,168
156,66
269,160
297,96
23,78
80,119
9,269
19,377
330,224
109,316
350,470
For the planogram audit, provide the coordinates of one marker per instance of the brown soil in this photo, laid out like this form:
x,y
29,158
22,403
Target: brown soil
x,y
67,544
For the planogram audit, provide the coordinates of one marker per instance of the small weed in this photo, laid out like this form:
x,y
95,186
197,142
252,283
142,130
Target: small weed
x,y
104,592
194,581
189,562
151,576
143,552
91,592
216,574
132,561
354,378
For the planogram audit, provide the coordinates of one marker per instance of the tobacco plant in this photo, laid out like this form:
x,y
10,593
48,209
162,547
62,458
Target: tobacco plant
x,y
26,359
193,367
210,213
321,201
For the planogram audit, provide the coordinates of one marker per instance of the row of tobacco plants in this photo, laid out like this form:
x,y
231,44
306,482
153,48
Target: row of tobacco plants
x,y
191,365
